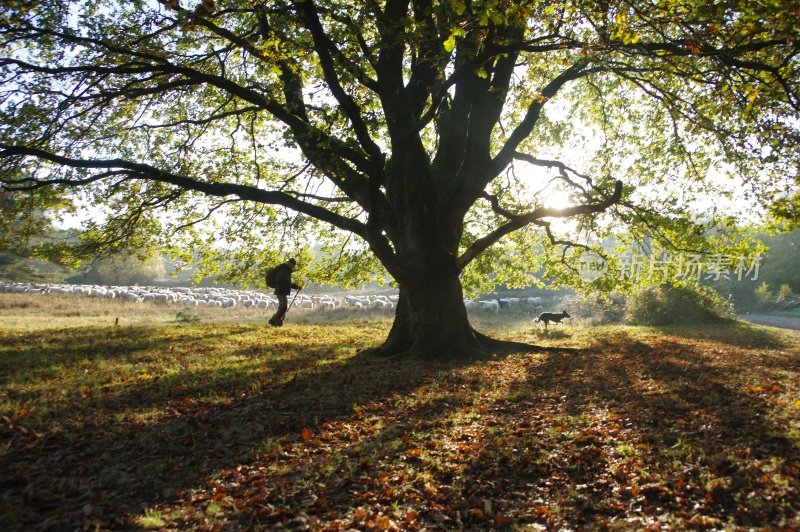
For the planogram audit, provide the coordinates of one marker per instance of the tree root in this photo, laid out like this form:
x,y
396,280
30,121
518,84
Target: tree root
x,y
461,352
374,352
486,348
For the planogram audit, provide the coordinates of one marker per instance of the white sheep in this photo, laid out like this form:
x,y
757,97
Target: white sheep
x,y
492,305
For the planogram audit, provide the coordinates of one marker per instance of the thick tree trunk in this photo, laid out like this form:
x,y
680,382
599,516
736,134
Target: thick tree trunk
x,y
431,319
431,322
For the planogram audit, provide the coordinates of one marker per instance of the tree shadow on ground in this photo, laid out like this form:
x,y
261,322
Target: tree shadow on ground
x,y
168,437
624,431
654,424
32,350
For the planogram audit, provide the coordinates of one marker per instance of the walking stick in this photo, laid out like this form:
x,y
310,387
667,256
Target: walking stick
x,y
292,303
283,316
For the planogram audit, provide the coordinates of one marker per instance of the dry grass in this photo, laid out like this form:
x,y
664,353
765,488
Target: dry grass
x,y
23,312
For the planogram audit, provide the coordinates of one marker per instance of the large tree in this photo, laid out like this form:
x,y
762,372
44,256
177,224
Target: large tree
x,y
428,129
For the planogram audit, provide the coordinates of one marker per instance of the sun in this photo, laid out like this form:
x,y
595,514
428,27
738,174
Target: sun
x,y
555,198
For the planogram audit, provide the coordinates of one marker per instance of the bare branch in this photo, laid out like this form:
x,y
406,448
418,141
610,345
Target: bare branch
x,y
563,170
519,221
323,198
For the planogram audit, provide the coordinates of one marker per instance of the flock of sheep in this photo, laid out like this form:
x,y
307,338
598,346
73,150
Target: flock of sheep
x,y
181,296
533,304
229,298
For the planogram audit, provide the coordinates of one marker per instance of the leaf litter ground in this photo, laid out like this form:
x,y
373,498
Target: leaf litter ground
x,y
237,426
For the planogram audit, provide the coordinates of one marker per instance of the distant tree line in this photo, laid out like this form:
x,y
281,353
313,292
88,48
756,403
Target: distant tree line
x,y
778,276
776,287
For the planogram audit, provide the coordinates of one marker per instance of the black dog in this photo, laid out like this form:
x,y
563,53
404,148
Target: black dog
x,y
547,317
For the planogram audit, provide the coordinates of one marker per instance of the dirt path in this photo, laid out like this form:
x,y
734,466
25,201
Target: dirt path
x,y
784,322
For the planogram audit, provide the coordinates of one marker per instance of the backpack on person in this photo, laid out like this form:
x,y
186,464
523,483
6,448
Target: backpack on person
x,y
271,276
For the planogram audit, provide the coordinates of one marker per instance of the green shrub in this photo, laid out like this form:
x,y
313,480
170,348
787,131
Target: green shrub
x,y
187,315
784,299
676,304
596,308
763,295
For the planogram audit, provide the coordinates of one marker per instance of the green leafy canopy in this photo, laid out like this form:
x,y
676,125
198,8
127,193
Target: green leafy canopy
x,y
234,132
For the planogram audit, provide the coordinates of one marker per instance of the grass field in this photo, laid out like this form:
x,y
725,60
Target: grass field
x,y
219,422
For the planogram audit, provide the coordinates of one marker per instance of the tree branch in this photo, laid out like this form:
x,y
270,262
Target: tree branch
x,y
208,215
149,173
326,151
519,221
525,127
428,57
439,93
323,47
562,170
